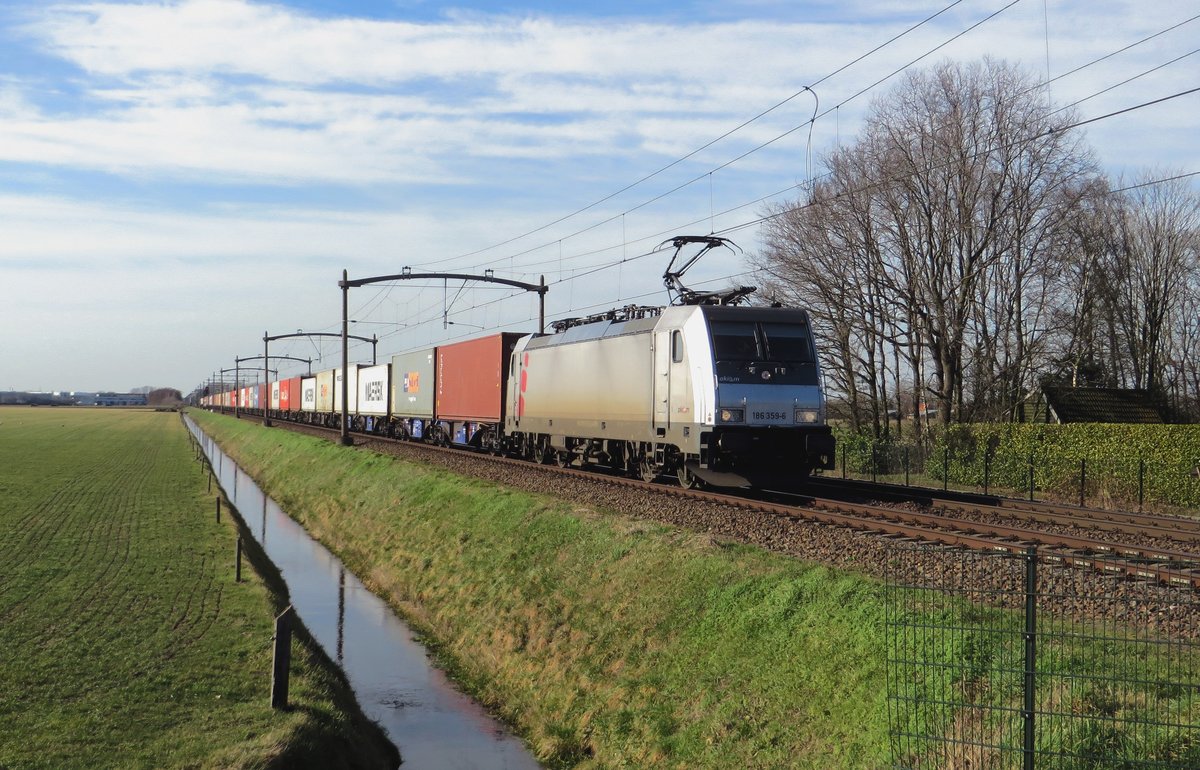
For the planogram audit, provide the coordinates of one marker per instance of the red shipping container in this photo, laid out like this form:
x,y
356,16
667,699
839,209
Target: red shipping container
x,y
471,377
289,395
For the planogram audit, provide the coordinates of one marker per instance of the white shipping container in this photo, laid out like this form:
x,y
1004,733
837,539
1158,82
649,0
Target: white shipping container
x,y
308,394
325,391
373,390
274,395
352,391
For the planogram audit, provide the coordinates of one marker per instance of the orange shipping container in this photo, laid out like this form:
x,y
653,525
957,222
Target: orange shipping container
x,y
471,376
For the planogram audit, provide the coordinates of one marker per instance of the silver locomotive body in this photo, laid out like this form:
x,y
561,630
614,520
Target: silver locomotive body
x,y
717,393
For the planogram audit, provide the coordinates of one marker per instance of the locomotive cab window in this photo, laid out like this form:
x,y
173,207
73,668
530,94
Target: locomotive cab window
x,y
787,342
761,341
677,346
735,341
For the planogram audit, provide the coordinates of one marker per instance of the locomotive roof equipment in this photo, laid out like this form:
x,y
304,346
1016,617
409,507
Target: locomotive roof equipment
x,y
682,295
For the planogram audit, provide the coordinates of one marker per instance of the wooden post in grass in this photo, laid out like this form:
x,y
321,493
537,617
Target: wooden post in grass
x,y
218,510
282,658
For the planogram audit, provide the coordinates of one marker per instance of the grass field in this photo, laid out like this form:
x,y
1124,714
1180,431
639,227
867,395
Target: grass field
x,y
614,642
127,642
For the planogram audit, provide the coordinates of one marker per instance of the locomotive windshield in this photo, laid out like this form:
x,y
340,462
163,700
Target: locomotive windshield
x,y
734,341
787,342
761,341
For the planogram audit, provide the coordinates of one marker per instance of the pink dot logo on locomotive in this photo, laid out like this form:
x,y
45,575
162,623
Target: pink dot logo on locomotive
x,y
524,384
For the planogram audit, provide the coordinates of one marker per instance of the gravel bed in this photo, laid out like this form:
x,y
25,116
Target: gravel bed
x,y
997,579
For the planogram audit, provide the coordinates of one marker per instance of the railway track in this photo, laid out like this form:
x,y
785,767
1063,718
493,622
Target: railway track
x,y
1133,545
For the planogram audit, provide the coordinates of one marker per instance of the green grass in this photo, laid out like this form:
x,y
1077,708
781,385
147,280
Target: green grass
x,y
127,642
607,641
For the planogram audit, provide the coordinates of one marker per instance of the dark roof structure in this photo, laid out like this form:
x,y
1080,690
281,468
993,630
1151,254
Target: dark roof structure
x,y
1102,405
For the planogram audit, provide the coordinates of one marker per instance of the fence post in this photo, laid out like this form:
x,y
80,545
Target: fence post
x,y
843,461
1141,483
1031,477
218,510
238,571
1030,654
281,662
1082,480
1195,476
874,462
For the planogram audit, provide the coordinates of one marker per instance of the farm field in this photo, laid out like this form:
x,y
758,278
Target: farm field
x,y
127,641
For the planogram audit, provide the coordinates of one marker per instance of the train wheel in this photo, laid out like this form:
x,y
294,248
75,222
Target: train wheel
x,y
647,471
687,479
562,459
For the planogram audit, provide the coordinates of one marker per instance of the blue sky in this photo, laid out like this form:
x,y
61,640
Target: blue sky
x,y
178,177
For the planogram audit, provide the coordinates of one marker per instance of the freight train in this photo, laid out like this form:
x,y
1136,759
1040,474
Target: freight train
x,y
708,393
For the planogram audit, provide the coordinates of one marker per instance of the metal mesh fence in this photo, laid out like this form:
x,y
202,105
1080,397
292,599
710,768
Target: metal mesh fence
x,y
1129,483
997,660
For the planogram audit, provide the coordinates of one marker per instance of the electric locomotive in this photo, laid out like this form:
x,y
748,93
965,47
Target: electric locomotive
x,y
705,390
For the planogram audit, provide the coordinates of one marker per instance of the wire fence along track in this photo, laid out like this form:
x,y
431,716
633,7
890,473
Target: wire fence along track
x,y
982,674
1129,483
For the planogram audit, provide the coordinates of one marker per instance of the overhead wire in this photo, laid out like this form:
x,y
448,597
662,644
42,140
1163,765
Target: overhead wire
x,y
738,158
718,279
1127,81
712,142
1080,101
759,220
743,155
381,294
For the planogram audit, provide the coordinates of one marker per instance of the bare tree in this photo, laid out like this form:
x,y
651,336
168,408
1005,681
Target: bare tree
x,y
946,221
1153,258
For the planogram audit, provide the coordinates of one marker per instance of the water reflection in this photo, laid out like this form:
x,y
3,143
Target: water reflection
x,y
434,725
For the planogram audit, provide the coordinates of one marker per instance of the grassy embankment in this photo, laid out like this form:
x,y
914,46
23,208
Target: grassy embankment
x,y
610,642
127,642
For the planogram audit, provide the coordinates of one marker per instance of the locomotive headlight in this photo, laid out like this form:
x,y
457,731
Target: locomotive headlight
x,y
733,415
806,416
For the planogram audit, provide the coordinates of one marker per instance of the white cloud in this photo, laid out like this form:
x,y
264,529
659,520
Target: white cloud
x,y
422,141
236,91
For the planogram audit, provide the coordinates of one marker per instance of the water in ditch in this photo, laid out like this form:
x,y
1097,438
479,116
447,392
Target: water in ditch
x,y
433,724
